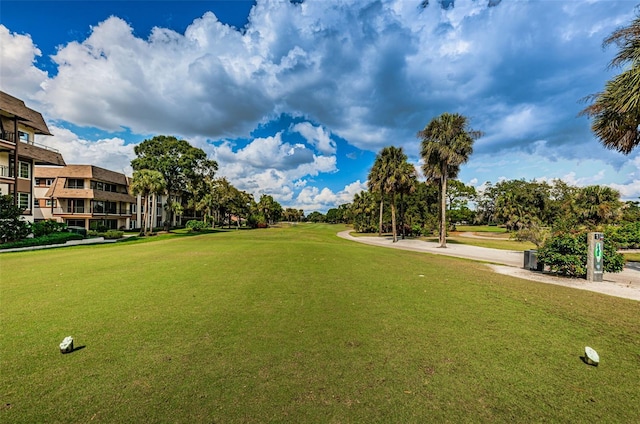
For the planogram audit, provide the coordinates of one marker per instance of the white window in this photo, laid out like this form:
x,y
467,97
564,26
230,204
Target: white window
x,y
51,203
24,200
24,170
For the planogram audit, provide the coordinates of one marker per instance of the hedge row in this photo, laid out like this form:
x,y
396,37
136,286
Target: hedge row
x,y
53,238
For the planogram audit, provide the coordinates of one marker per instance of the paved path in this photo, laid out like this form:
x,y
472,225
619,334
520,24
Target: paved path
x,y
94,240
625,284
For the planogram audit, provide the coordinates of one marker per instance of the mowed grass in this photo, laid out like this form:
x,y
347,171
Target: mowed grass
x,y
296,325
482,229
497,243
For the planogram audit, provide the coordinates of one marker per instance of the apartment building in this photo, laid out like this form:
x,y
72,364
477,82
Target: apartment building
x,y
19,153
159,214
84,196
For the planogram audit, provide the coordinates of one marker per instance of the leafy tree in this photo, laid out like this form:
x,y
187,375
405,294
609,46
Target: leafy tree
x,y
225,194
148,184
316,216
631,212
535,232
447,143
626,236
269,208
519,203
242,205
422,208
615,111
334,216
182,165
459,195
293,215
205,200
486,204
12,226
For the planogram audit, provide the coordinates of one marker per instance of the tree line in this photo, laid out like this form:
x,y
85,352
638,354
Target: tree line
x,y
173,168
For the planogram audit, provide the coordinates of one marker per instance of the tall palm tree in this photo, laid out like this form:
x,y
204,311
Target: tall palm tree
x,y
447,143
148,184
391,174
616,110
376,185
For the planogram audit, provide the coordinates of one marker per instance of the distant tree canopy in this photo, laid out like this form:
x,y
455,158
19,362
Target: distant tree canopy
x,y
182,165
316,216
518,205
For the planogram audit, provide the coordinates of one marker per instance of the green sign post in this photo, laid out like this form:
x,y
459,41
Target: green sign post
x,y
594,257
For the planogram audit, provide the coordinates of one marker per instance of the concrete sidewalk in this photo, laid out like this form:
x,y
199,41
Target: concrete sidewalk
x,y
495,256
95,240
625,284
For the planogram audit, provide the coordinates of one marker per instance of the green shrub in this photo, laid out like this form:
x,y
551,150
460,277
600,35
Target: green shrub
x,y
566,254
42,228
194,225
626,236
113,234
257,221
53,238
108,235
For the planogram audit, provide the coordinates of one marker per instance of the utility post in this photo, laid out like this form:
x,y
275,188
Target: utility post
x,y
595,251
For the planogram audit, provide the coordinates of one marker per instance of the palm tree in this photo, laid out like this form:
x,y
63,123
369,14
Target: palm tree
x,y
148,184
376,183
598,205
406,185
391,174
362,211
616,110
205,199
447,143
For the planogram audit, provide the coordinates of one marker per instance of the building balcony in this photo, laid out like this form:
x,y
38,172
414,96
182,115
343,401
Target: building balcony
x,y
6,171
8,136
80,210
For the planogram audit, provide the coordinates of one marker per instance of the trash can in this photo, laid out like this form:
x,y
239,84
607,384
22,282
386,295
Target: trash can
x,y
531,260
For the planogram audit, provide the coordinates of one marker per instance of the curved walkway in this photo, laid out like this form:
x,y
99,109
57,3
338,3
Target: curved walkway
x,y
625,284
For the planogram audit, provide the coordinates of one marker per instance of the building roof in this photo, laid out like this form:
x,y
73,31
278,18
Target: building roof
x,y
81,171
61,174
40,155
12,106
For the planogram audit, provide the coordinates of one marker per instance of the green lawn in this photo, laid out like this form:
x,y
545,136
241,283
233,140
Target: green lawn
x,y
498,243
297,325
632,257
481,228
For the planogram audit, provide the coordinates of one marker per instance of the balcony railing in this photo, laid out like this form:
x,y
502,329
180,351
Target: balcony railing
x,y
77,209
6,171
42,146
9,136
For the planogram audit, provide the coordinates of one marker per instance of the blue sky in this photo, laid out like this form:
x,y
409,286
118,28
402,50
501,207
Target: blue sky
x,y
294,99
